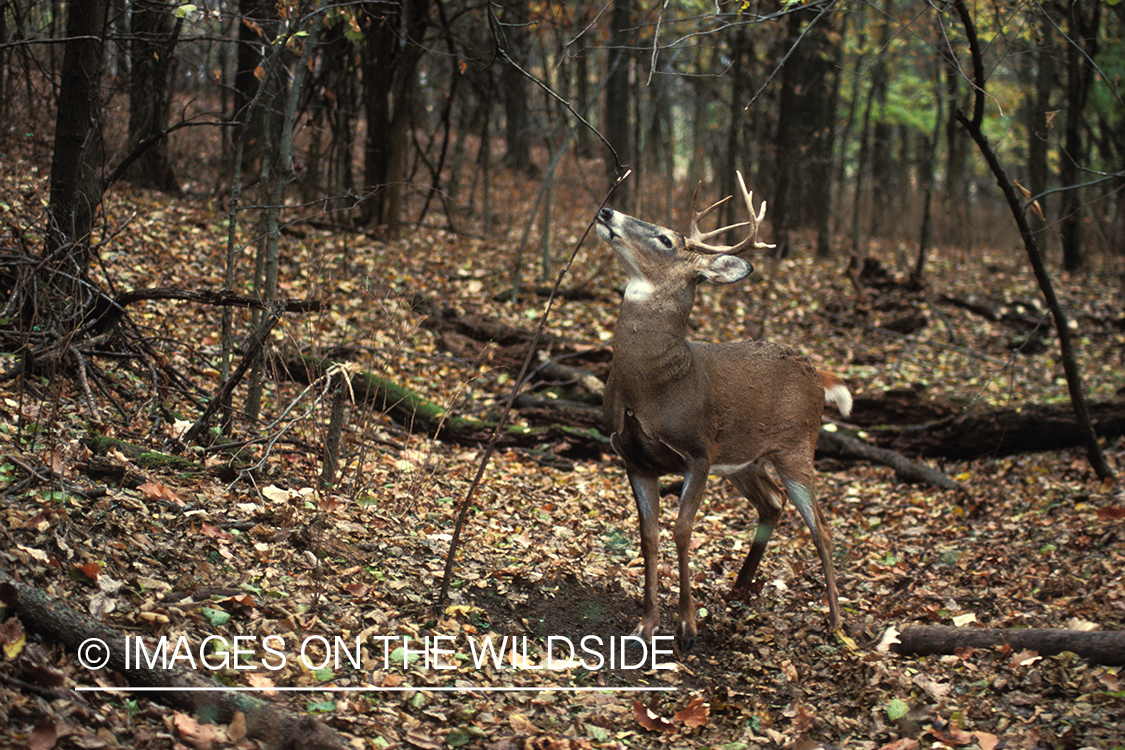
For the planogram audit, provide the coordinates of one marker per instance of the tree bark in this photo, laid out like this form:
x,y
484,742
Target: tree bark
x,y
837,445
1038,128
419,415
252,14
884,170
928,178
804,131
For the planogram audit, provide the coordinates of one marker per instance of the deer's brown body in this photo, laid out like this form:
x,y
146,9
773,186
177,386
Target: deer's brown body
x,y
690,408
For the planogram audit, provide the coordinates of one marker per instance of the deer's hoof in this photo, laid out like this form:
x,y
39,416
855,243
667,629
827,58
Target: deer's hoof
x,y
685,636
645,633
745,592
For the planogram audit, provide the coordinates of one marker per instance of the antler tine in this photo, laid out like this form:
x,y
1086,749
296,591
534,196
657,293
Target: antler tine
x,y
696,216
697,240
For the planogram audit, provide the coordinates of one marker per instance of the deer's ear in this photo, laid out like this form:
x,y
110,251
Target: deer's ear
x,y
726,269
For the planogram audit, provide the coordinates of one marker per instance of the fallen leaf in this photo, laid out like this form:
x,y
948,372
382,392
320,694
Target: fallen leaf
x,y
1025,657
905,743
418,738
520,724
695,714
650,720
87,571
952,735
12,638
933,688
890,638
261,680
158,491
275,493
43,736
214,532
986,741
236,730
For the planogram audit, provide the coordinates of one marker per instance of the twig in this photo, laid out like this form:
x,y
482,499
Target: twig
x,y
253,347
466,503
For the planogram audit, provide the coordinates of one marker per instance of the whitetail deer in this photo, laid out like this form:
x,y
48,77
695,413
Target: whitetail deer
x,y
690,408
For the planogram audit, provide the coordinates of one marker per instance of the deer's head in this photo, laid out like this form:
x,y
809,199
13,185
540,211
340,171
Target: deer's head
x,y
662,262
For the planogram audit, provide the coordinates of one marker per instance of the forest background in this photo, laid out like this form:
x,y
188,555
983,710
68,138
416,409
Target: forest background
x,y
275,272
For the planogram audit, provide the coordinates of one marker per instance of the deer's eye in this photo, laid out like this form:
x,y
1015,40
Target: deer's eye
x,y
665,241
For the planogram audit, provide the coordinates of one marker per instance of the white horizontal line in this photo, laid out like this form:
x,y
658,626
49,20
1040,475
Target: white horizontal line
x,y
471,689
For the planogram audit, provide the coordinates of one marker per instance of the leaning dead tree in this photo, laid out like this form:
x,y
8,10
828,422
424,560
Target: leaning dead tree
x,y
972,125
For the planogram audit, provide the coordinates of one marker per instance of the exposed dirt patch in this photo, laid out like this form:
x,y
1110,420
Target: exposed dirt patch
x,y
565,608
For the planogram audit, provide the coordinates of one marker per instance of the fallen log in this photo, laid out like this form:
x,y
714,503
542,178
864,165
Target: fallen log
x,y
574,425
468,336
1100,647
838,445
419,415
1030,428
271,725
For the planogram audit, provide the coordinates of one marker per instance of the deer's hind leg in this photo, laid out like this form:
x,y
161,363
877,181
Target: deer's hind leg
x,y
797,476
768,499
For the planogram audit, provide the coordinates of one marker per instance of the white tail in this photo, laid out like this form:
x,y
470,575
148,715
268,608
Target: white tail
x,y
690,408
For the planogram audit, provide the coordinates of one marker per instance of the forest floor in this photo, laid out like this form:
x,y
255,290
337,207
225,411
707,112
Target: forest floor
x,y
550,546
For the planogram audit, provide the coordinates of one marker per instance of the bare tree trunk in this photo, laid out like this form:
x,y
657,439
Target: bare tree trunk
x,y
861,175
390,57
1081,31
4,77
152,41
279,155
253,14
76,190
955,193
1038,128
585,144
741,60
515,40
617,99
884,172
929,159
805,131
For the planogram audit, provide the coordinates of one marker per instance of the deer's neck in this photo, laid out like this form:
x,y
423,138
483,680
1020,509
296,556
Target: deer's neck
x,y
649,342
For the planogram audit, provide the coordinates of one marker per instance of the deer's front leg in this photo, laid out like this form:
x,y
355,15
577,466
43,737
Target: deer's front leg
x,y
695,479
646,491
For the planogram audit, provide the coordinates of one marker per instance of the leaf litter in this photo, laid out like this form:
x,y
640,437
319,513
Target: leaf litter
x,y
1035,541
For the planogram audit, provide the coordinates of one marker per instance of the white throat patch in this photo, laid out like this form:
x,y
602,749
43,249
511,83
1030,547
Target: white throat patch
x,y
639,290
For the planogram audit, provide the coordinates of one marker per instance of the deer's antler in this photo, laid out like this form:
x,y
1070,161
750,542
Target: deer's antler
x,y
697,240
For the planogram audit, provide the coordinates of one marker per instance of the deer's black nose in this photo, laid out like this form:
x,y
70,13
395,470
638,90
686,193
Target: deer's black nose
x,y
605,214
